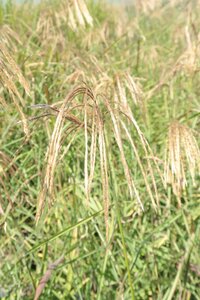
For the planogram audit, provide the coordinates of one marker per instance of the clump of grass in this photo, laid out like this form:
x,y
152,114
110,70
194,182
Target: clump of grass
x,y
92,112
126,74
9,37
7,170
10,73
182,155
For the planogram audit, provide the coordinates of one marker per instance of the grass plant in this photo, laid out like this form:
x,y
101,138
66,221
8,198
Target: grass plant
x,y
99,150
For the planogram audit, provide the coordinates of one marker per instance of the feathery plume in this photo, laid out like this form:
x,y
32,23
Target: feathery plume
x,y
182,156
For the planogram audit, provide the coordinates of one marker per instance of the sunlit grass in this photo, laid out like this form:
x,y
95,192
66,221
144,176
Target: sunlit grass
x,y
99,150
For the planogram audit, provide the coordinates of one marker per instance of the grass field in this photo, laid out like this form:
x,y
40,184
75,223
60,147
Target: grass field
x,y
99,150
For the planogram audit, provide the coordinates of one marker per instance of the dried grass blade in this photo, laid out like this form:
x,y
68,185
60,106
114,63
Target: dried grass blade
x,y
86,150
72,21
3,103
45,278
93,150
54,146
85,12
52,155
15,69
78,12
139,163
131,184
147,151
182,153
104,174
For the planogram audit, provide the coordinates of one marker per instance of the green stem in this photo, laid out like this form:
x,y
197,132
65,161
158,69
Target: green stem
x,y
115,190
102,276
180,269
125,252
